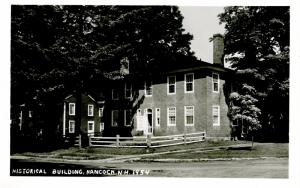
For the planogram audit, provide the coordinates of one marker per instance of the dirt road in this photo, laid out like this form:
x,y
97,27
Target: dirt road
x,y
261,168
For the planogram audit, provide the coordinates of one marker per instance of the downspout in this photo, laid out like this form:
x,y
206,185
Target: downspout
x,y
64,120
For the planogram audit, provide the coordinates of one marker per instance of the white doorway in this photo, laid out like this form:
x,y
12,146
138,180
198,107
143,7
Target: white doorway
x,y
145,121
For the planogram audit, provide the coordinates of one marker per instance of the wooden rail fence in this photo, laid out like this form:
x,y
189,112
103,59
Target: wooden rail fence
x,y
148,141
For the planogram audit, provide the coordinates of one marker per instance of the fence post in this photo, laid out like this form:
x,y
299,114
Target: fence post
x,y
184,138
90,141
118,140
148,140
79,140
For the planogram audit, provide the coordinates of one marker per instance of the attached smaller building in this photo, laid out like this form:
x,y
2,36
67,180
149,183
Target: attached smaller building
x,y
90,118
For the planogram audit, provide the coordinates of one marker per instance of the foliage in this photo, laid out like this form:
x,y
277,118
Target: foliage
x,y
58,50
257,45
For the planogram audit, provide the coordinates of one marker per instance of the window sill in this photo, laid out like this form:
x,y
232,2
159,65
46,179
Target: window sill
x,y
189,125
172,125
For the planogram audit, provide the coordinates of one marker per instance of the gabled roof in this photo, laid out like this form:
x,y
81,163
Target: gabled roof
x,y
99,101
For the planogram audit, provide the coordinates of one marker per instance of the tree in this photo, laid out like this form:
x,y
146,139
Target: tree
x,y
257,45
57,50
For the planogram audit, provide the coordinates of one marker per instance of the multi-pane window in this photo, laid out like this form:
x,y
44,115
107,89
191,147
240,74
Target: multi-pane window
x,y
171,85
71,126
128,90
91,127
127,117
101,126
148,88
101,112
171,116
115,94
189,83
216,115
189,115
90,110
114,118
215,78
72,109
157,116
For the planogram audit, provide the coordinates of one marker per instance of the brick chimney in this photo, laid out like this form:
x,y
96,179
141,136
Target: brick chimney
x,y
218,49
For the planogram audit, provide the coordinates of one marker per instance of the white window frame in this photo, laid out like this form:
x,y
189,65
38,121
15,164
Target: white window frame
x,y
112,94
193,83
218,82
185,119
101,112
168,85
130,88
71,114
145,89
93,130
71,121
101,128
216,124
112,118
92,112
157,115
168,117
29,113
125,122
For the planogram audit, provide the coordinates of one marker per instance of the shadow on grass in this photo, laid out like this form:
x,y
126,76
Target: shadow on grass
x,y
248,148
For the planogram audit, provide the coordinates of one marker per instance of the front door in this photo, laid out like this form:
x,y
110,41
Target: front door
x,y
149,121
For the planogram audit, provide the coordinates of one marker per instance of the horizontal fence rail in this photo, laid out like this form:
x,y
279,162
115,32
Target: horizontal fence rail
x,y
148,141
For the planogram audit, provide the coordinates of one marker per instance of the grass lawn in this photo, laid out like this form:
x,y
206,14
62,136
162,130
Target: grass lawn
x,y
259,150
134,151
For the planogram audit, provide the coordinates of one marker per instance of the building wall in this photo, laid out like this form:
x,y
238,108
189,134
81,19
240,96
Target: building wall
x,y
217,99
202,99
85,101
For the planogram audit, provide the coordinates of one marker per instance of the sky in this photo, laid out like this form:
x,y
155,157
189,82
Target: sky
x,y
202,22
